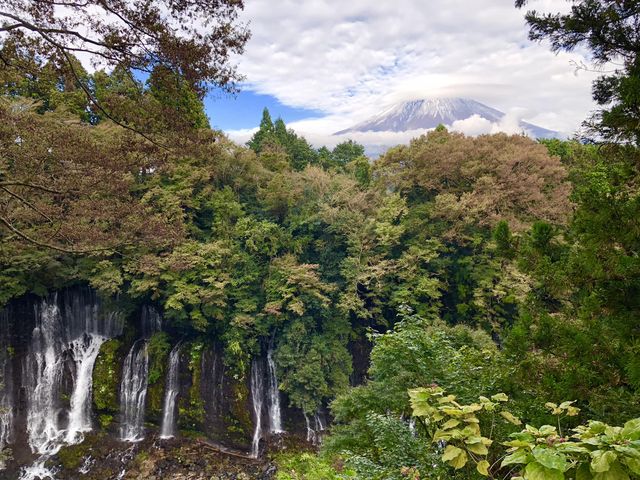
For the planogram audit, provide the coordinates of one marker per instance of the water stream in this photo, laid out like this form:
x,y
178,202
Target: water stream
x,y
68,332
133,392
168,428
275,415
257,400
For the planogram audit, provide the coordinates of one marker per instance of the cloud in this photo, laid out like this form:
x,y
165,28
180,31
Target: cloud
x,y
351,59
377,143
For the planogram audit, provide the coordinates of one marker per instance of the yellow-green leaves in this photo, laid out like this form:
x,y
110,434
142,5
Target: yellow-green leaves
x,y
483,468
550,458
631,430
565,408
519,456
537,471
595,451
601,461
500,397
456,457
509,417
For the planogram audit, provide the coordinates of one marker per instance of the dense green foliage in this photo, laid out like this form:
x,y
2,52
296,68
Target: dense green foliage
x,y
473,265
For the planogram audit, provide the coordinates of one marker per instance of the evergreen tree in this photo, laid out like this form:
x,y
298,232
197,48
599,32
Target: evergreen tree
x,y
265,131
609,29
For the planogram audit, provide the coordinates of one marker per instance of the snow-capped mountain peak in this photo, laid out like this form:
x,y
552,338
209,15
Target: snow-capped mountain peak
x,y
430,112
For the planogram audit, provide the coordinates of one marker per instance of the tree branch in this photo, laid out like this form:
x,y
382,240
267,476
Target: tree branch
x,y
31,185
26,237
29,204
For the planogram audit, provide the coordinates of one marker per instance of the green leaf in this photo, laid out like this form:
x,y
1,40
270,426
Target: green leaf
x,y
597,427
508,416
537,471
456,457
547,430
519,456
474,407
616,472
500,397
570,447
633,464
478,448
450,424
550,458
460,461
631,429
445,435
601,460
483,468
451,452
628,451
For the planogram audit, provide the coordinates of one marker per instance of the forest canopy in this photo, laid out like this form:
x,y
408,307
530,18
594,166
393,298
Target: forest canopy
x,y
457,279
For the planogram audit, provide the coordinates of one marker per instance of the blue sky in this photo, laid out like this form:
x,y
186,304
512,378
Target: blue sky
x,y
244,111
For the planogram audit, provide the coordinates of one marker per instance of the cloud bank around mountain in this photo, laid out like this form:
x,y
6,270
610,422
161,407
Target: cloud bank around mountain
x,y
351,59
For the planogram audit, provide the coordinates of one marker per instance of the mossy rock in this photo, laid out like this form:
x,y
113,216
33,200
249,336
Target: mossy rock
x,y
72,456
159,349
191,409
106,377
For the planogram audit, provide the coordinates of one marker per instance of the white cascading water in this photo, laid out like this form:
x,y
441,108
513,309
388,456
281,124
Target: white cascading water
x,y
275,415
314,432
6,420
85,351
257,399
45,365
76,334
135,379
168,428
133,392
6,387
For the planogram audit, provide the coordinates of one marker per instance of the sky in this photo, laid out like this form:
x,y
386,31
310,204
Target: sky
x,y
325,65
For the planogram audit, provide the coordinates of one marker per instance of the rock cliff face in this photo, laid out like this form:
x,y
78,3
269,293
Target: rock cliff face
x,y
93,379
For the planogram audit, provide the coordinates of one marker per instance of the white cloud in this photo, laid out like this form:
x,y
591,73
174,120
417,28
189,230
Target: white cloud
x,y
351,59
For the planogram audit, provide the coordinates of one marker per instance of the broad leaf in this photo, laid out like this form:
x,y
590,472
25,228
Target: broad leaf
x,y
537,471
631,429
601,460
450,424
508,416
451,452
519,456
550,458
615,472
483,468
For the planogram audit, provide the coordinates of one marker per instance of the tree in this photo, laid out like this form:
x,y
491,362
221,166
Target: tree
x,y
346,152
264,131
610,30
194,39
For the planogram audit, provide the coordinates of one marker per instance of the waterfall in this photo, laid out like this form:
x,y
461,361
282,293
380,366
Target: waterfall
x,y
168,429
133,392
135,378
275,416
44,366
69,329
314,432
6,388
412,426
85,351
257,399
150,321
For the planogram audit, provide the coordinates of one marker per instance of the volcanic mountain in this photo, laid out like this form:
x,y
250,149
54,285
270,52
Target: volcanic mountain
x,y
429,113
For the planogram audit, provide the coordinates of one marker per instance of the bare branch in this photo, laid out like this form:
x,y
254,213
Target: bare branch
x,y
28,203
26,237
